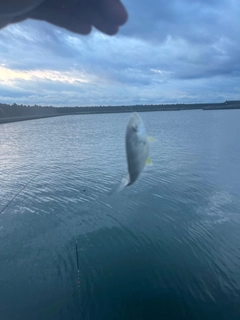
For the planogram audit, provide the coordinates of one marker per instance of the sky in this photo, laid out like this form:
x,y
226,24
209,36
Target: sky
x,y
178,51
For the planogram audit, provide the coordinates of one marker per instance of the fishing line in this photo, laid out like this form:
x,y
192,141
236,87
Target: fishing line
x,y
19,192
78,271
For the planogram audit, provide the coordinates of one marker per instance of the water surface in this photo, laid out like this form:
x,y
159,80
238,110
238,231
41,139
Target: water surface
x,y
166,248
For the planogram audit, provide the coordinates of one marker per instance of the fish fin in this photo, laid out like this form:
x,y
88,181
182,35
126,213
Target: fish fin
x,y
123,184
148,162
151,139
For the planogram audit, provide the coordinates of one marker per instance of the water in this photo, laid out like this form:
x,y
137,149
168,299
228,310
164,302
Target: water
x,y
166,248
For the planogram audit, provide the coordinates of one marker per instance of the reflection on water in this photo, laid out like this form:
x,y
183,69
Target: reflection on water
x,y
168,247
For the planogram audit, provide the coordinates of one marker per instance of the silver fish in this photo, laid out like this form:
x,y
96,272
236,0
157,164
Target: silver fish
x,y
137,150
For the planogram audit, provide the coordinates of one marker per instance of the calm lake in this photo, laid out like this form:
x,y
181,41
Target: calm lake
x,y
167,247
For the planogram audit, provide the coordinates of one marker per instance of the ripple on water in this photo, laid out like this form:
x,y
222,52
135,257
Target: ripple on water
x,y
166,247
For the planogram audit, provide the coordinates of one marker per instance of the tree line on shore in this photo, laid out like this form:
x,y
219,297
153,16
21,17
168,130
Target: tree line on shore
x,y
15,110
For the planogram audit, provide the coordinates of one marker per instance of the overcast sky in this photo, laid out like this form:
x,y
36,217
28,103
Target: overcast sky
x,y
168,51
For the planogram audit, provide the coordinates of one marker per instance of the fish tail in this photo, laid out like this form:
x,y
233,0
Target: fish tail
x,y
123,184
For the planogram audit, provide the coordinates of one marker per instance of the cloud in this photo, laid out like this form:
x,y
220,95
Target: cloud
x,y
197,21
175,51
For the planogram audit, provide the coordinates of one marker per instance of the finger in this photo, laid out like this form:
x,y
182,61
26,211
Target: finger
x,y
112,10
77,18
79,15
4,22
107,29
102,25
60,16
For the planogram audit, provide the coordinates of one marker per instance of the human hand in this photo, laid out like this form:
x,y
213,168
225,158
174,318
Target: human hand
x,y
78,16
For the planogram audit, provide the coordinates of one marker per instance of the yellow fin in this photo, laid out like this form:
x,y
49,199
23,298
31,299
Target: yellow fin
x,y
151,139
148,162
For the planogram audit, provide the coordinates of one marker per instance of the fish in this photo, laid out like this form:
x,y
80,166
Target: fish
x,y
137,150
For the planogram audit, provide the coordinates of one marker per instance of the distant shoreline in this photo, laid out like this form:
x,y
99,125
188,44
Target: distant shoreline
x,y
15,113
26,118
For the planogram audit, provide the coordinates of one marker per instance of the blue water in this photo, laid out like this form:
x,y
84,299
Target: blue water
x,y
167,247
